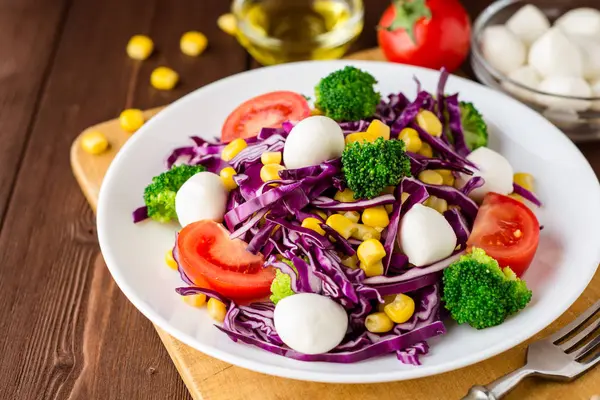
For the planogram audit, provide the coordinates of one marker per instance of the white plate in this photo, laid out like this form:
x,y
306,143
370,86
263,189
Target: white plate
x,y
566,260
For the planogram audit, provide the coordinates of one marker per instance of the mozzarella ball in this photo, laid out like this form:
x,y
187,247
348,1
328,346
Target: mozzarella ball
x,y
581,21
529,23
554,54
526,76
565,86
203,196
310,323
503,49
590,53
425,236
495,170
312,141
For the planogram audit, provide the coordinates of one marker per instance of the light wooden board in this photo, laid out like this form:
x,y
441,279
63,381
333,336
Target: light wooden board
x,y
211,379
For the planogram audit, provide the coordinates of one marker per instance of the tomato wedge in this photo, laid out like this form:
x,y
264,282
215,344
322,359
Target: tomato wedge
x,y
269,110
507,230
207,255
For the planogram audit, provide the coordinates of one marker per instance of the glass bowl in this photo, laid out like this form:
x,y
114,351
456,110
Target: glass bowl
x,y
578,125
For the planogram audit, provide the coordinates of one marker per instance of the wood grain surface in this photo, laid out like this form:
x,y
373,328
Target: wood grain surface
x,y
66,330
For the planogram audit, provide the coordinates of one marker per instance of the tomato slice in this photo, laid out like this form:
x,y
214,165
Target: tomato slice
x,y
269,110
207,255
507,230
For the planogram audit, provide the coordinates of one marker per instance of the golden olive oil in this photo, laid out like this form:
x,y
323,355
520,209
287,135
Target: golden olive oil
x,y
278,31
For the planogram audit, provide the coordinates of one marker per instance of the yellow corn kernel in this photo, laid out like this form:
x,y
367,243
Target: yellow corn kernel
x,y
131,119
524,180
94,142
431,177
370,251
353,216
375,269
361,137
193,43
401,309
439,205
411,139
270,172
196,300
140,47
363,232
426,150
216,309
387,299
379,129
163,78
227,23
447,176
271,157
378,322
321,214
169,260
313,224
233,149
350,262
341,225
316,111
227,175
347,196
517,197
375,217
403,197
430,123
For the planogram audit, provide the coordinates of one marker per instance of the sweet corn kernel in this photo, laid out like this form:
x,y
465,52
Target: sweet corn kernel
x,y
425,150
375,217
370,251
131,119
389,208
94,142
438,204
401,309
350,262
163,78
227,23
169,260
216,309
316,111
361,137
196,300
270,172
233,149
227,175
447,176
431,177
524,180
347,196
378,322
411,139
403,197
387,299
430,123
193,43
517,197
363,232
341,225
379,129
140,47
321,214
353,216
271,157
313,224
375,269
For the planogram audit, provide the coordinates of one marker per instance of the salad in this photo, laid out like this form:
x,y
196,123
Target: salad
x,y
352,229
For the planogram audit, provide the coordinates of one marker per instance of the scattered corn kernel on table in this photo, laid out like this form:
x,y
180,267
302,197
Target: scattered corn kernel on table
x,y
67,330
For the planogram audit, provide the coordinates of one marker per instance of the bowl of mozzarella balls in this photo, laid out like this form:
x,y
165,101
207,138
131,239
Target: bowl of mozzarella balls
x,y
545,53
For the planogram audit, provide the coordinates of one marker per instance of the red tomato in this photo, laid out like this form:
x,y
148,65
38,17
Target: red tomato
x,y
427,33
207,255
269,110
507,230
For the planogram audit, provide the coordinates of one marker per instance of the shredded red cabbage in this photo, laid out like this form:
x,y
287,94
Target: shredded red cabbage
x,y
521,191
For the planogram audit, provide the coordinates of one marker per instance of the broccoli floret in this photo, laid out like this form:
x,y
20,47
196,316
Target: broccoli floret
x,y
159,195
477,291
281,287
474,127
347,95
369,167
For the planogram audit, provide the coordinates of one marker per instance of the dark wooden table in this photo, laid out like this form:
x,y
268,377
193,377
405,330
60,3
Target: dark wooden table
x,y
66,330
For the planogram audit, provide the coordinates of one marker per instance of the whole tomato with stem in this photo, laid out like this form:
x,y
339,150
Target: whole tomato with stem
x,y
426,33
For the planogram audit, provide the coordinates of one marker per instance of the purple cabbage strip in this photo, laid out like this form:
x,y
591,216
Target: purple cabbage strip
x,y
191,290
182,273
354,126
455,125
140,214
410,355
287,269
420,163
260,238
472,184
410,112
309,234
441,147
459,225
340,243
327,203
521,191
409,285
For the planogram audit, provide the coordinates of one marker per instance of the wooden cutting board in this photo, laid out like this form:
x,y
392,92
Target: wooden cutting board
x,y
210,379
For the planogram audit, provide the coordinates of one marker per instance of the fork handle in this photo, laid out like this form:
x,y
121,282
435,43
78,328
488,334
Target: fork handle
x,y
498,388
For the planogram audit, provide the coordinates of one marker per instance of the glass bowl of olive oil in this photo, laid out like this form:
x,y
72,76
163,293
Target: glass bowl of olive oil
x,y
279,31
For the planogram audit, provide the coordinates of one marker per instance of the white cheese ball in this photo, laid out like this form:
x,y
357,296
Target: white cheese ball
x,y
590,53
203,196
425,236
310,323
554,54
581,21
312,141
503,49
526,76
565,86
495,170
529,23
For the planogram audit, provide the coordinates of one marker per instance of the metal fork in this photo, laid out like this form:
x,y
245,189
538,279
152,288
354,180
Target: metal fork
x,y
550,358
